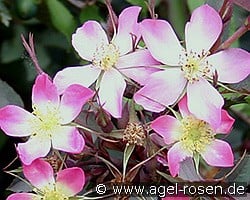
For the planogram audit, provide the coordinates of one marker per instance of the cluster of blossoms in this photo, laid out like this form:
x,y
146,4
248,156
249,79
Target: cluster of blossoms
x,y
163,73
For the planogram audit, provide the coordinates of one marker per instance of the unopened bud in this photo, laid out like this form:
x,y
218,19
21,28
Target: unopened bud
x,y
103,119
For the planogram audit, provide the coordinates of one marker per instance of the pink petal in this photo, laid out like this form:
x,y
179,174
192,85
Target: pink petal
x,y
82,75
111,91
15,121
161,41
70,181
88,38
22,196
39,173
168,127
44,91
226,123
68,139
139,74
35,147
73,98
232,64
203,29
183,107
219,154
205,105
159,90
127,28
176,154
136,65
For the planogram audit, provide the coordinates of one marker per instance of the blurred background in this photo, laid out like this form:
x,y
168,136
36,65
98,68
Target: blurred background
x,y
53,21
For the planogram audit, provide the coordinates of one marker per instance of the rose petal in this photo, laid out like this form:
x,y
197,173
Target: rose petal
x,y
231,64
168,127
88,38
68,139
44,92
82,75
139,74
161,41
176,154
218,153
127,29
32,150
183,107
226,123
74,97
112,87
136,65
159,90
70,181
40,174
15,121
203,29
23,196
205,105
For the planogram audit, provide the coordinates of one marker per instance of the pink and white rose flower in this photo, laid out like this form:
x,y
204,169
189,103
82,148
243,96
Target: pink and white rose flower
x,y
111,62
48,125
189,70
190,136
67,183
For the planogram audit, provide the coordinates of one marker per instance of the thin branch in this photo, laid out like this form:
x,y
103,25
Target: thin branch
x,y
31,51
241,31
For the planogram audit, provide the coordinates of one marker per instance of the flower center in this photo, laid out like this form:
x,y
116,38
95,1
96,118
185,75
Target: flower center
x,y
134,134
197,134
106,56
54,195
195,65
48,120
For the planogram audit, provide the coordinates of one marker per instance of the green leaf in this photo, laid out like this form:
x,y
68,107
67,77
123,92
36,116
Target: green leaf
x,y
3,139
5,16
214,3
91,12
177,16
8,95
127,153
12,49
194,4
61,18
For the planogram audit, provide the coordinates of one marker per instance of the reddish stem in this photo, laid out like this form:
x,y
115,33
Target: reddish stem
x,y
241,31
31,51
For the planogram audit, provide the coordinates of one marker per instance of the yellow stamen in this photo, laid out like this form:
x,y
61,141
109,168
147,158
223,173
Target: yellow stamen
x,y
48,120
197,134
54,195
195,65
106,56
